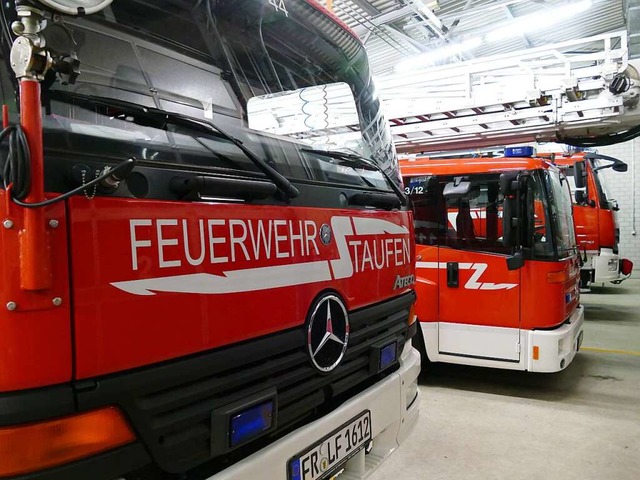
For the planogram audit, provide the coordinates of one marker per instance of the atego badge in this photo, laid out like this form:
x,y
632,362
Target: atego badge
x,y
328,333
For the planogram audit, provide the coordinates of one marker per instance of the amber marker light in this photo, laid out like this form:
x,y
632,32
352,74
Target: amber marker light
x,y
557,277
536,352
412,315
37,446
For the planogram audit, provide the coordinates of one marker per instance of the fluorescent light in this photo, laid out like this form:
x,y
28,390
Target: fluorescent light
x,y
538,21
427,5
520,25
429,58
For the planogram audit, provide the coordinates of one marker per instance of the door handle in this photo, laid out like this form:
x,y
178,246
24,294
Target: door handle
x,y
453,276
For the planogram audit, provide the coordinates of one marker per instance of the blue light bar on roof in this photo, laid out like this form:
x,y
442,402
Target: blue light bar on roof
x,y
519,152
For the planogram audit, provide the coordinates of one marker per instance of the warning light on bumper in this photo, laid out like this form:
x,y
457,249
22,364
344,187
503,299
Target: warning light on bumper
x,y
388,355
251,423
383,355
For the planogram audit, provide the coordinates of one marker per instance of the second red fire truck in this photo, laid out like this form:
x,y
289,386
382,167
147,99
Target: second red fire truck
x,y
595,216
497,262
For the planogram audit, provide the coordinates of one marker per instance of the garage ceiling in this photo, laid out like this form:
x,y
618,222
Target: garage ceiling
x,y
437,32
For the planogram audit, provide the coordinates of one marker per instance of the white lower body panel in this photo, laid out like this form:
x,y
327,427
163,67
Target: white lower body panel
x,y
394,413
555,348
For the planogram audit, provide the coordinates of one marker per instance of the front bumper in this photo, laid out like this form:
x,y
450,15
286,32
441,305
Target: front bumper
x,y
553,350
606,266
394,413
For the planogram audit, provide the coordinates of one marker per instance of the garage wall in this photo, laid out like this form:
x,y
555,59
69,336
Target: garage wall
x,y
623,188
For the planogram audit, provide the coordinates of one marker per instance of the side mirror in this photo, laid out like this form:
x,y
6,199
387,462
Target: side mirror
x,y
456,189
509,183
616,165
580,175
510,221
515,261
510,188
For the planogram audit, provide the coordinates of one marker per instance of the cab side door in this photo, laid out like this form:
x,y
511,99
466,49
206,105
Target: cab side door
x,y
479,297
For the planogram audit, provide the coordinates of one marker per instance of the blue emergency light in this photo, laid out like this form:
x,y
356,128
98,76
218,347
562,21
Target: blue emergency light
x,y
519,152
251,422
383,355
388,355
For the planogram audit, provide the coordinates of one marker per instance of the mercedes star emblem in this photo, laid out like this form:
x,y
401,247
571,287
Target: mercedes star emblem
x,y
328,333
325,234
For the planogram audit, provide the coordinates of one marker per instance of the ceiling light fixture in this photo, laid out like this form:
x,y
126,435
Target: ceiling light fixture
x,y
519,26
429,58
538,21
433,4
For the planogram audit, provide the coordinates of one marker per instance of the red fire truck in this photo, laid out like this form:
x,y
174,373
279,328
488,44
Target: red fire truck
x,y
497,262
595,216
184,297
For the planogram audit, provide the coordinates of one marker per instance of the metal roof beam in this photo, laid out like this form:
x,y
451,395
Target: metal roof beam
x,y
418,47
366,7
434,22
449,18
384,18
524,38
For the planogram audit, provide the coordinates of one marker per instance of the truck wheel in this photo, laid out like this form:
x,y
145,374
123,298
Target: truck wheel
x,y
587,277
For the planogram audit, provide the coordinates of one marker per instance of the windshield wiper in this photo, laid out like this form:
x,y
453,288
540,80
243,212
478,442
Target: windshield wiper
x,y
158,118
357,160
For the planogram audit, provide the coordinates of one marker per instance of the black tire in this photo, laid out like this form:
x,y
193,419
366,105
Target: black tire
x,y
418,343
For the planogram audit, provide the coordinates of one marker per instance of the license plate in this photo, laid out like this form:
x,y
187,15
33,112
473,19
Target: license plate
x,y
322,459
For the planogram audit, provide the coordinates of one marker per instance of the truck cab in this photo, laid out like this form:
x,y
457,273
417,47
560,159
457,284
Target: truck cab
x,y
595,216
497,262
187,292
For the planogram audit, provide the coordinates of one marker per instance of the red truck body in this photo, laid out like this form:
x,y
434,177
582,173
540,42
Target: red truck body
x,y
233,305
595,215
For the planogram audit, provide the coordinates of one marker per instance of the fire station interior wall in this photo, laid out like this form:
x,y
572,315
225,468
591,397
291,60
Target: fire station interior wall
x,y
625,188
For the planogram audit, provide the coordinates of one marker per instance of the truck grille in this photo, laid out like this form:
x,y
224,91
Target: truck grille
x,y
171,405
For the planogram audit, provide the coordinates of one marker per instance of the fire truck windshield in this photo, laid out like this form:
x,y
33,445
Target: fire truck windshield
x,y
238,64
605,200
561,216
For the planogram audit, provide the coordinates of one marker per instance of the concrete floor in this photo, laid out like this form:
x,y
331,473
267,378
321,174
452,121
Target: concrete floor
x,y
582,423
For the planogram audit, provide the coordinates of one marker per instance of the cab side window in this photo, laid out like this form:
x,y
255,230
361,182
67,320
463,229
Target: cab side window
x,y
470,219
475,218
429,212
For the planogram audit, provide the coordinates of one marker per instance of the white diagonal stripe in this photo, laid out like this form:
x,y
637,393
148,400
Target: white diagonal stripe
x,y
235,281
